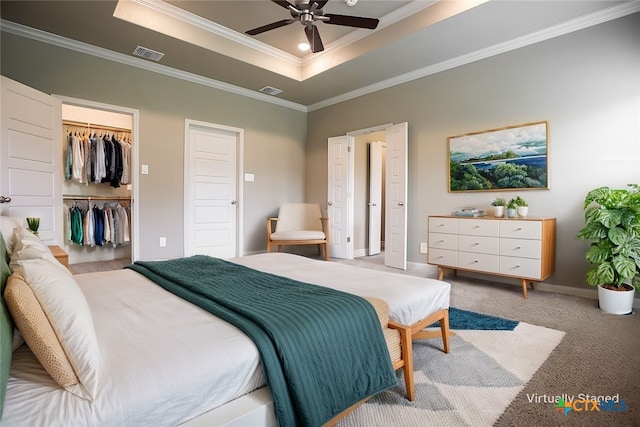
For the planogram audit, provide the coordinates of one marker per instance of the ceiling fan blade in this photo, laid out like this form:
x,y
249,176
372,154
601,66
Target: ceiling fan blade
x,y
315,42
351,21
283,3
269,27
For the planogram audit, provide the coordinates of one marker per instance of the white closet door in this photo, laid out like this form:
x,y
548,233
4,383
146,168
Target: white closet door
x,y
211,190
30,160
375,196
395,242
340,197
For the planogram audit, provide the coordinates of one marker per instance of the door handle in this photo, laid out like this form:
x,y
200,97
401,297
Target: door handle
x,y
330,203
5,199
233,202
400,203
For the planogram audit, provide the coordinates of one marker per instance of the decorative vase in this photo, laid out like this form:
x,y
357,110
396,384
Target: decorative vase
x,y
615,302
523,211
511,212
498,211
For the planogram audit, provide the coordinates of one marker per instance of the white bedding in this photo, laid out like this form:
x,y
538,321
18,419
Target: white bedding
x,y
410,298
165,361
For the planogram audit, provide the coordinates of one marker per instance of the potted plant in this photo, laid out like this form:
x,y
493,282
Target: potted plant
x,y
612,224
522,207
498,207
33,224
511,208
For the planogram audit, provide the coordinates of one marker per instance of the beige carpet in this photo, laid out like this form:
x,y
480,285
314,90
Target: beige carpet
x,y
599,354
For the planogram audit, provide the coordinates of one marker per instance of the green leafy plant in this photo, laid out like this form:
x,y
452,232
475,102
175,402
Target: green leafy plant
x,y
512,204
33,224
612,224
498,201
519,201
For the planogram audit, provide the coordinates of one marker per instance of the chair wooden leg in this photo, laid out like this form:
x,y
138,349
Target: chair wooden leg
x,y
326,251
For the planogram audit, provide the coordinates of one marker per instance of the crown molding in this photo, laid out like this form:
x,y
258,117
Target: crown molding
x,y
587,21
63,42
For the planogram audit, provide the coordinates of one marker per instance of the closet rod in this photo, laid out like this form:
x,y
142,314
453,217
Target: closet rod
x,y
92,126
69,197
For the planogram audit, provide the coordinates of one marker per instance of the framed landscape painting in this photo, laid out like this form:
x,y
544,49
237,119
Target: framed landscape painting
x,y
513,157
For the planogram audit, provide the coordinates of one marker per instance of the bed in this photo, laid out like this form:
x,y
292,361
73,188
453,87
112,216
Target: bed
x,y
156,368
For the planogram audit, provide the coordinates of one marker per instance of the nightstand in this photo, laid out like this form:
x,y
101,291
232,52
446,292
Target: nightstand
x,y
60,255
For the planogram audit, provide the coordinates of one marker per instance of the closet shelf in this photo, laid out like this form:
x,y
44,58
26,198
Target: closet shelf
x,y
92,126
90,198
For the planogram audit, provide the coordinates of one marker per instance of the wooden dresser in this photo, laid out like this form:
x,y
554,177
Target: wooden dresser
x,y
522,248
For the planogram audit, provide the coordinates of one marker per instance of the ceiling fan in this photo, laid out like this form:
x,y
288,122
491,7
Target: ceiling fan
x,y
309,11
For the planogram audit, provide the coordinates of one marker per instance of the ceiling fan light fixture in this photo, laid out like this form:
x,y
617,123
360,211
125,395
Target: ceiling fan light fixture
x,y
303,46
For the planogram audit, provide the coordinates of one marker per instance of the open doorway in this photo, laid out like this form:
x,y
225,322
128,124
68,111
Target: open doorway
x,y
369,184
341,195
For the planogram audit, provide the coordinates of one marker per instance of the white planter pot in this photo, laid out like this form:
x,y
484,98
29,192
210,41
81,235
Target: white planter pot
x,y
511,213
615,302
498,211
523,211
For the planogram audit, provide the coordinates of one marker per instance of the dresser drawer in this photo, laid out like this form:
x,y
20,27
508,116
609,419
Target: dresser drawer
x,y
479,227
443,257
522,248
521,229
521,267
479,244
443,225
479,262
443,241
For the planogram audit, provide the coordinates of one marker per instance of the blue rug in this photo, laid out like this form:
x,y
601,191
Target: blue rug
x,y
463,319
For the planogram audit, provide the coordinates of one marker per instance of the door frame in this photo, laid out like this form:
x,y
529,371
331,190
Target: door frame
x,y
135,171
239,134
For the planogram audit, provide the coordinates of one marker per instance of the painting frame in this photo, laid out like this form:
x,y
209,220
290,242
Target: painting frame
x,y
501,159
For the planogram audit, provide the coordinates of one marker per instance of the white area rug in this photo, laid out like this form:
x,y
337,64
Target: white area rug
x,y
470,386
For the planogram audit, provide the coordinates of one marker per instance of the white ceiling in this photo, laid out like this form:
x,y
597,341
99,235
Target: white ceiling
x,y
204,41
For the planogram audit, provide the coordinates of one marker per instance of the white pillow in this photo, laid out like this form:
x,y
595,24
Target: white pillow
x,y
68,312
29,246
7,228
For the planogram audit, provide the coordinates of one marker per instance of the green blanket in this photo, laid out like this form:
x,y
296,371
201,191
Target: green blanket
x,y
322,350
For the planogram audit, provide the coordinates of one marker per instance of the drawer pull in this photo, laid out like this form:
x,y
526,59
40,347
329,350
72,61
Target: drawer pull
x,y
475,262
440,241
475,244
519,228
476,226
440,257
518,247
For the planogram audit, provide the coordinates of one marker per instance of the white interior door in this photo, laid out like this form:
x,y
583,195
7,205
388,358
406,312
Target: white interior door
x,y
339,196
375,196
212,190
30,157
395,244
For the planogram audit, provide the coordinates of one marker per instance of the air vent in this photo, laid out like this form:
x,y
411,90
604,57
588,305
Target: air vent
x,y
270,90
147,53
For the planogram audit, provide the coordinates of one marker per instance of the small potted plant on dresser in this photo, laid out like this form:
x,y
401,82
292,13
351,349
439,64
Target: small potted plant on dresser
x,y
498,205
612,224
511,208
522,207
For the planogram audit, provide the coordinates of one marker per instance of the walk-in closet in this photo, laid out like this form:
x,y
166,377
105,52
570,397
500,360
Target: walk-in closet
x,y
97,185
